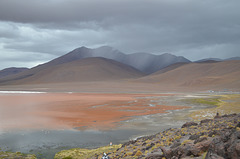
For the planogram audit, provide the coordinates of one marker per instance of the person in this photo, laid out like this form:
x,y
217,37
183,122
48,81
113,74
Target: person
x,y
217,115
105,156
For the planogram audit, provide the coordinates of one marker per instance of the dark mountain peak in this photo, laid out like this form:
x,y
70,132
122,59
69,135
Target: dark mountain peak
x,y
80,49
84,47
102,48
103,51
168,54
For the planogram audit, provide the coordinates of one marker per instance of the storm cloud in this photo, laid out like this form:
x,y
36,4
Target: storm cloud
x,y
36,31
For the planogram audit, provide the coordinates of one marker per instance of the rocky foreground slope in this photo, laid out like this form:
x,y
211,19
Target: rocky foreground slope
x,y
209,139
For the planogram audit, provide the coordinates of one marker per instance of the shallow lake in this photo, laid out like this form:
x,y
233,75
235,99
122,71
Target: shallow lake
x,y
45,143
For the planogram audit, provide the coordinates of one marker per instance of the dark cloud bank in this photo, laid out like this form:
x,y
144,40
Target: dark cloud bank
x,y
35,31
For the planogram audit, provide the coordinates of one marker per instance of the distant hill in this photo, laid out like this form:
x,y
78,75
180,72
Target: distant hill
x,y
88,69
11,71
226,73
209,60
145,62
217,59
232,58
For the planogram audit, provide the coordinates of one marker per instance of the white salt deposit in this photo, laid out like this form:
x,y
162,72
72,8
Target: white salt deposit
x,y
18,92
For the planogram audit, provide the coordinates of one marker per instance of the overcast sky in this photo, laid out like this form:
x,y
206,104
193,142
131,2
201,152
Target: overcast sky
x,y
36,31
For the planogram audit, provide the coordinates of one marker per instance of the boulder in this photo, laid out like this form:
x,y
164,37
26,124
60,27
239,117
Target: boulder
x,y
188,124
200,147
226,146
217,147
205,121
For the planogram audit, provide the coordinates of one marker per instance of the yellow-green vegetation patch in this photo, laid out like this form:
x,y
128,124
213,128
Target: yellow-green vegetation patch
x,y
206,101
78,153
225,104
11,155
238,129
138,153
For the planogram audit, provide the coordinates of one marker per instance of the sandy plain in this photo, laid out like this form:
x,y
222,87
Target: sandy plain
x,y
75,110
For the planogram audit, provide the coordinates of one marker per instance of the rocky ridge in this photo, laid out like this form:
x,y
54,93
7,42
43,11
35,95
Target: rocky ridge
x,y
208,139
211,138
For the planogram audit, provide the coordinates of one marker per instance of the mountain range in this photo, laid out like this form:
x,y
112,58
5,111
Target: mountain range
x,y
107,64
145,62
